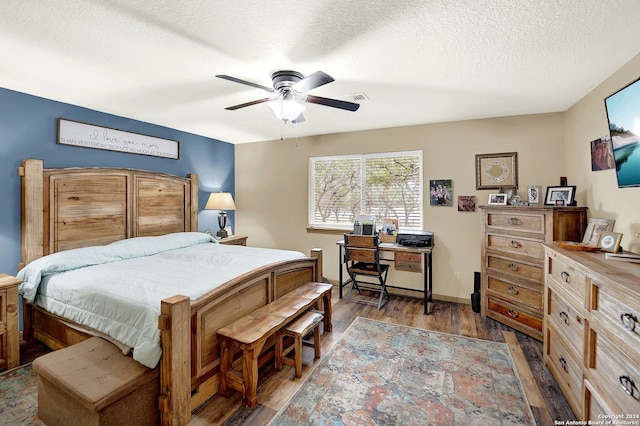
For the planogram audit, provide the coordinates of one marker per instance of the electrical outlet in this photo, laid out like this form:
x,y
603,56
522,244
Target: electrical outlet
x,y
456,277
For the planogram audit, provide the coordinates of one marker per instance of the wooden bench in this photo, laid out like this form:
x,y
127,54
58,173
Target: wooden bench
x,y
297,330
251,332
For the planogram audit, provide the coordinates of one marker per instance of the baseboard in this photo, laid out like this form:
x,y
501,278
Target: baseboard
x,y
417,294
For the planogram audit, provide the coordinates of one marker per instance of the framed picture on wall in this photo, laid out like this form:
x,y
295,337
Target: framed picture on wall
x,y
466,203
441,192
496,171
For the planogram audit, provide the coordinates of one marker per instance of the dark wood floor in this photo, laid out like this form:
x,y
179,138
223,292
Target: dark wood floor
x,y
275,388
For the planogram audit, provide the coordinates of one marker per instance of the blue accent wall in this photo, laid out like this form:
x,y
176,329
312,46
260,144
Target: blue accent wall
x,y
28,129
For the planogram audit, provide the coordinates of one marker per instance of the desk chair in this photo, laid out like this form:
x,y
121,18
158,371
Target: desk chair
x,y
362,257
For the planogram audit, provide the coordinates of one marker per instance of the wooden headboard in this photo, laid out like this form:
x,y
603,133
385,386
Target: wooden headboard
x,y
78,207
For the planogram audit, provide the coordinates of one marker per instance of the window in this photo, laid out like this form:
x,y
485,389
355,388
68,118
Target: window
x,y
382,185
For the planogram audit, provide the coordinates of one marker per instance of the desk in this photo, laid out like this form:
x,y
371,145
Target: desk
x,y
411,259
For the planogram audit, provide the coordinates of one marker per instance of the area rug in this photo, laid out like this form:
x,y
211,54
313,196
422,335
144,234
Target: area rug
x,y
19,397
388,374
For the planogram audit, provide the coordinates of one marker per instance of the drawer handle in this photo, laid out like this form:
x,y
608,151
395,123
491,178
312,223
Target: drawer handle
x,y
513,221
564,317
629,321
514,244
627,385
513,290
513,266
512,313
565,277
563,364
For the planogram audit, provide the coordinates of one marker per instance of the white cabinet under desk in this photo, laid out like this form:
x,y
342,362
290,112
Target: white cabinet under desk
x,y
592,333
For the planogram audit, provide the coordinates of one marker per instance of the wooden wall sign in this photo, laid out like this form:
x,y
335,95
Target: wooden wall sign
x,y
99,137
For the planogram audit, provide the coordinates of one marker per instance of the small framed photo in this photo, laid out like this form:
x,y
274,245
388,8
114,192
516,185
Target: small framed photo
x,y
594,227
565,194
609,241
497,199
534,194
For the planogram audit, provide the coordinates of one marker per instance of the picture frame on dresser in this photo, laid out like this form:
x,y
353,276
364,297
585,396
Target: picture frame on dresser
x,y
609,241
566,194
497,200
595,226
533,194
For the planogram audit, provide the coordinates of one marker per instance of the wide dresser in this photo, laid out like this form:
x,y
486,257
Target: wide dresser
x,y
513,260
592,334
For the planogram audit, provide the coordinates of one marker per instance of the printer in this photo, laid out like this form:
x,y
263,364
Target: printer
x,y
415,238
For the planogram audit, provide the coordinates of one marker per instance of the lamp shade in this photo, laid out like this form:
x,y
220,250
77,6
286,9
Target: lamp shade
x,y
220,201
286,109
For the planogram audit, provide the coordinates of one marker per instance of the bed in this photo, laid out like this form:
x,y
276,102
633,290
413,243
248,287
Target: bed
x,y
75,210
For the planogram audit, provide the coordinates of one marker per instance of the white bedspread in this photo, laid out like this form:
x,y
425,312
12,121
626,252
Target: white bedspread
x,y
121,296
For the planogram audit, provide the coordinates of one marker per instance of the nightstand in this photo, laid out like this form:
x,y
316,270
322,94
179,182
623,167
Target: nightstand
x,y
234,240
9,332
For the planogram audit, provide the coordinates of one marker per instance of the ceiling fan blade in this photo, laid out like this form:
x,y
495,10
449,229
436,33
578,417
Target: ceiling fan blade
x,y
248,83
335,103
300,119
258,101
312,81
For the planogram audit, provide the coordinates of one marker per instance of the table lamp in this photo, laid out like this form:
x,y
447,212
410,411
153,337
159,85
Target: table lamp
x,y
221,201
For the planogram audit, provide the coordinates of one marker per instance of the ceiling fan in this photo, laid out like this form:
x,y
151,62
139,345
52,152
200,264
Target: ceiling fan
x,y
289,86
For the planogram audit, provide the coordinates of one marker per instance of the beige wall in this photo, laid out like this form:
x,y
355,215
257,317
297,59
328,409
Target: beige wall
x,y
586,121
272,178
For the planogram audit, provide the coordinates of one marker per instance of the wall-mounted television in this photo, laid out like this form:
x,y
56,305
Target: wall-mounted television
x,y
623,113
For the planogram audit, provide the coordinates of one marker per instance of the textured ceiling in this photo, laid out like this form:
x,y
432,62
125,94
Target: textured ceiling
x,y
416,61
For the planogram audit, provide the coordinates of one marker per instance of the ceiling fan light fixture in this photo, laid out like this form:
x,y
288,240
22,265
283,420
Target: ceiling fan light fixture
x,y
286,109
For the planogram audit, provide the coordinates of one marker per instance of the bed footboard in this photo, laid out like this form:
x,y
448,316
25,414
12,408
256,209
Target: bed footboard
x,y
190,362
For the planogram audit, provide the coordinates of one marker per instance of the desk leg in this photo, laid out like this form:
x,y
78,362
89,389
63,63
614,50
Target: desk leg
x,y
340,273
428,284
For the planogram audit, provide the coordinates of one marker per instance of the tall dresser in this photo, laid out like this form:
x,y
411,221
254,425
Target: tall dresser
x,y
592,333
513,260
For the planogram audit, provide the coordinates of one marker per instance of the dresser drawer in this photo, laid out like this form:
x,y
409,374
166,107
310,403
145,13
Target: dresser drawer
x,y
533,222
515,292
411,262
614,310
516,268
567,370
617,373
595,407
515,245
569,322
569,278
508,313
